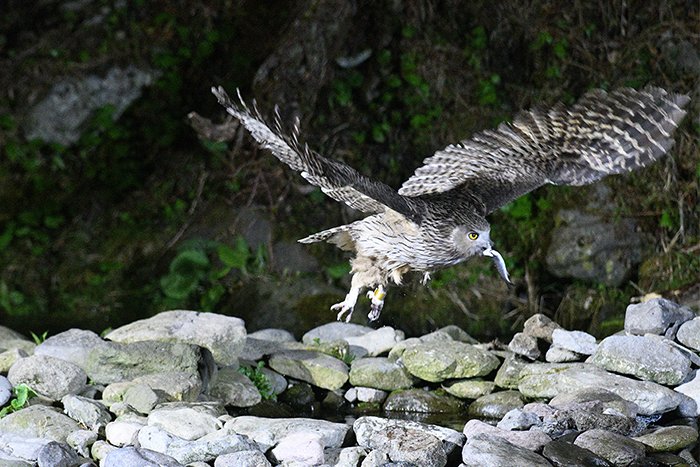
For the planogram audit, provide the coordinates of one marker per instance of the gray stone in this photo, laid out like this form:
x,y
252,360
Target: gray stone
x,y
362,394
422,401
87,412
110,362
540,326
377,341
187,420
273,334
469,388
377,458
344,457
9,357
7,334
368,428
692,389
123,432
517,419
616,448
81,440
546,380
457,333
575,341
335,330
100,449
656,316
313,367
405,442
646,358
532,439
303,447
277,381
19,344
484,450
496,405
224,336
166,387
379,373
242,459
142,457
438,361
689,334
508,375
268,431
587,246
607,399
55,454
669,438
230,387
562,454
7,460
50,377
204,449
60,116
5,390
38,421
525,345
141,397
558,355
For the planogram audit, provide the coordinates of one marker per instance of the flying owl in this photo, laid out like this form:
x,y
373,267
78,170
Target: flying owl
x,y
437,218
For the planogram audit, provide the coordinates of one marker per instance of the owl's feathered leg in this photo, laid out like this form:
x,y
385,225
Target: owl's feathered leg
x,y
347,305
377,298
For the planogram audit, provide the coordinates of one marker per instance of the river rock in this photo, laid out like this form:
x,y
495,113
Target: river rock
x,y
508,375
546,380
469,388
669,438
335,330
377,341
110,362
123,432
50,377
361,394
187,420
692,390
230,387
689,334
422,401
81,440
267,432
656,316
561,454
313,367
132,456
438,361
38,421
556,354
576,341
496,405
224,336
484,450
5,390
55,454
344,457
242,458
517,419
379,373
613,447
540,326
304,447
532,439
204,449
646,358
524,345
608,400
368,428
86,411
9,357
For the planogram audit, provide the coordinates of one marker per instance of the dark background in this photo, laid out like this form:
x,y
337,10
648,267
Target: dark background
x,y
142,208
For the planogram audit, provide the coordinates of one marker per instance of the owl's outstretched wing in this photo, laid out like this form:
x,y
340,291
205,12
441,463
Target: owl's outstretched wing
x,y
603,133
337,180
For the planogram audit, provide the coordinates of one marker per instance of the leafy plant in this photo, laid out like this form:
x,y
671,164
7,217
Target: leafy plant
x,y
22,393
261,382
38,339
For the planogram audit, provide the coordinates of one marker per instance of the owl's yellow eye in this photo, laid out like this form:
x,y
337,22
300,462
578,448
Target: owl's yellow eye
x,y
473,235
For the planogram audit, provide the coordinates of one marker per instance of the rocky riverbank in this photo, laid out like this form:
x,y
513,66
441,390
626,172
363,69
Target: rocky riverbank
x,y
189,388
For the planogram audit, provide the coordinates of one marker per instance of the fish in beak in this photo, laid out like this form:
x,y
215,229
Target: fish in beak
x,y
500,264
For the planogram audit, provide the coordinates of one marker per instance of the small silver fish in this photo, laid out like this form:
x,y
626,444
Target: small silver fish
x,y
500,264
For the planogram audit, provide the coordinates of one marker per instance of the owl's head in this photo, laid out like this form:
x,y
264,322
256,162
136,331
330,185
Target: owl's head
x,y
472,240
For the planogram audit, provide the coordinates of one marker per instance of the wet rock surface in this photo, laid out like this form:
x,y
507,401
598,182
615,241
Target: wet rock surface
x,y
630,399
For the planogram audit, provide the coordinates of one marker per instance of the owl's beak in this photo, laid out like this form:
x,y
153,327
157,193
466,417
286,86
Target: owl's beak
x,y
500,264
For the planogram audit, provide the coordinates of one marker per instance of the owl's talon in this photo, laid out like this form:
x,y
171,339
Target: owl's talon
x,y
346,306
377,298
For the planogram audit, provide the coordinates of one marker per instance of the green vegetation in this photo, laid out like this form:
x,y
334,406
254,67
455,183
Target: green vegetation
x,y
38,339
21,395
257,376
